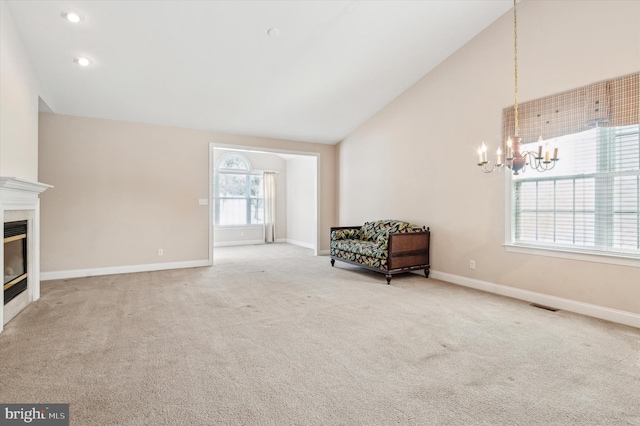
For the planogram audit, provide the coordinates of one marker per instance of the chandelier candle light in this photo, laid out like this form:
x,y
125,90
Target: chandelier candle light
x,y
515,159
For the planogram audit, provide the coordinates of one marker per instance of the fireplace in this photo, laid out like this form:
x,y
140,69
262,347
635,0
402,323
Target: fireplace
x,y
15,259
20,214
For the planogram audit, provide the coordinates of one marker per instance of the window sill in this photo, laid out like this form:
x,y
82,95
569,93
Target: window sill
x,y
584,255
230,227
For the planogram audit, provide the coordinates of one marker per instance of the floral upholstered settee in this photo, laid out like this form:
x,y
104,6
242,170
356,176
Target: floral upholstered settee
x,y
387,246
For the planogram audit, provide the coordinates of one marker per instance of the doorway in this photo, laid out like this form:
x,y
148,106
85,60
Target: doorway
x,y
297,214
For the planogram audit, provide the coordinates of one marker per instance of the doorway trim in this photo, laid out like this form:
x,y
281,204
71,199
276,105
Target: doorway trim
x,y
240,148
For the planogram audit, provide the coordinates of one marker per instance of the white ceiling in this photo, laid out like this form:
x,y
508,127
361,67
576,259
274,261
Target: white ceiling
x,y
210,65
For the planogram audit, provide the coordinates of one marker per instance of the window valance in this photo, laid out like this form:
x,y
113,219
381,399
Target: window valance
x,y
613,102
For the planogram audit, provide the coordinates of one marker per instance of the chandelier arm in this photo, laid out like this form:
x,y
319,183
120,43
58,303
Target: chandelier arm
x,y
538,163
532,159
492,166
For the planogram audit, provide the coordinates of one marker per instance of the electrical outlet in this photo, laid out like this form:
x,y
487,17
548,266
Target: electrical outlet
x,y
472,264
160,252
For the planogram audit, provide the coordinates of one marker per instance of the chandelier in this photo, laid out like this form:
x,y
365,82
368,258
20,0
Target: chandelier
x,y
514,158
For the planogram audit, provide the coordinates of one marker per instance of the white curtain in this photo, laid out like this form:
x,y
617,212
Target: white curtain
x,y
269,182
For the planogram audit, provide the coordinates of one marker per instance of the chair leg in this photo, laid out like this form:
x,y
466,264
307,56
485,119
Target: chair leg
x,y
388,276
426,272
333,261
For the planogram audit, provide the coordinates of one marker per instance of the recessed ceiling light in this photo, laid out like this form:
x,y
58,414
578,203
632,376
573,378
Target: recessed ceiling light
x,y
273,32
83,61
72,16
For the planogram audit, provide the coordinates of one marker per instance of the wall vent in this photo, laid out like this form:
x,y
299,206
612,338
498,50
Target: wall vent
x,y
548,308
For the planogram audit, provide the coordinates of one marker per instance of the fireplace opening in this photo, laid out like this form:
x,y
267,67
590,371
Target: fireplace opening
x,y
15,259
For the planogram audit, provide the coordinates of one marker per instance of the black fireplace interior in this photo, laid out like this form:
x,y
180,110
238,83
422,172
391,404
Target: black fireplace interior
x,y
15,259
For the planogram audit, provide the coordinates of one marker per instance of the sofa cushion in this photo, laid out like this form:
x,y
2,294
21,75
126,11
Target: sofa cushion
x,y
371,231
346,234
366,248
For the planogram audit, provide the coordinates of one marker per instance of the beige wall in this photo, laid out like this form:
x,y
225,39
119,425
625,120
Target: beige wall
x,y
415,159
259,161
19,91
123,190
301,206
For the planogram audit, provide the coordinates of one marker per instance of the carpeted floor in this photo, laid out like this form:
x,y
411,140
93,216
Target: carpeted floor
x,y
274,336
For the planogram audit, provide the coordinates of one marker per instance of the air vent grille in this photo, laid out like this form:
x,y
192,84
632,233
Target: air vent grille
x,y
548,308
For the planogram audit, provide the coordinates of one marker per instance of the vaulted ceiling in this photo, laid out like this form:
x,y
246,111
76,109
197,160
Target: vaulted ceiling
x,y
326,68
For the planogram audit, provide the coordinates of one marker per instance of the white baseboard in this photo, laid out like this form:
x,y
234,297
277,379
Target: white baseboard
x,y
238,243
80,273
324,252
301,243
614,315
281,240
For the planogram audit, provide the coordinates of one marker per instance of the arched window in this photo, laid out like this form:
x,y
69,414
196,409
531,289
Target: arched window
x,y
237,192
234,162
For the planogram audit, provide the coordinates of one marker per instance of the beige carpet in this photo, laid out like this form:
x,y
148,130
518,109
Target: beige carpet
x,y
274,336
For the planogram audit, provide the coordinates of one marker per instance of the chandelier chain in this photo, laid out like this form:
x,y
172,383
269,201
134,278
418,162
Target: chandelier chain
x,y
515,158
515,65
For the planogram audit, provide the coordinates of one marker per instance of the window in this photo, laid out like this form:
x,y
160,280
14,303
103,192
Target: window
x,y
590,201
237,192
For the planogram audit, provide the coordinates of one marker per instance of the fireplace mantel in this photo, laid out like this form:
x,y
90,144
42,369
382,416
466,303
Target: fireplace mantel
x,y
15,189
19,200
